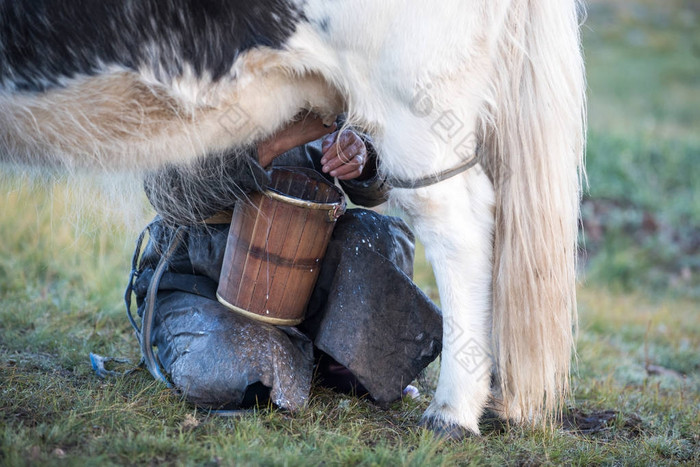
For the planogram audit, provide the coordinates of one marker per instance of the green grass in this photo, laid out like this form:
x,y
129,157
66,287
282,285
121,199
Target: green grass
x,y
643,68
642,209
62,272
61,299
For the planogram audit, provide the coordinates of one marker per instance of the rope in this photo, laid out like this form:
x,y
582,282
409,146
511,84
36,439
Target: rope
x,y
149,356
433,178
132,278
144,335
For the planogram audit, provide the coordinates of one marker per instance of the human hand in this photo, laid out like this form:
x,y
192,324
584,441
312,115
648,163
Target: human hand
x,y
344,155
304,129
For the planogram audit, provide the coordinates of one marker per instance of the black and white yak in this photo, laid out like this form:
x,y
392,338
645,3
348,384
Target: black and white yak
x,y
138,83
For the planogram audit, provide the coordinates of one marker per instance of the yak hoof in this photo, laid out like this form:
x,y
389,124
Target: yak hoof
x,y
445,430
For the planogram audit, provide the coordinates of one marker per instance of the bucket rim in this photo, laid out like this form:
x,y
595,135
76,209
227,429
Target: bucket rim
x,y
285,198
279,195
257,317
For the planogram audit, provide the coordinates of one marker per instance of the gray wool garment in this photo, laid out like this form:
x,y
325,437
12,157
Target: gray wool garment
x,y
365,314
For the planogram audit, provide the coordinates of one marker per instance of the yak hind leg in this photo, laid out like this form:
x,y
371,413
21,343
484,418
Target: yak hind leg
x,y
454,219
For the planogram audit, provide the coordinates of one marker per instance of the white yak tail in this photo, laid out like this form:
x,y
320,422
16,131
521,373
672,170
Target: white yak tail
x,y
534,127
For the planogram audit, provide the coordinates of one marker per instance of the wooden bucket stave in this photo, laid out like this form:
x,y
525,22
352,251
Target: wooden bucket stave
x,y
275,246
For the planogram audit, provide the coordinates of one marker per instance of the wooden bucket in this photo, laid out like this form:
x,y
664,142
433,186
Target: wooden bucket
x,y
275,246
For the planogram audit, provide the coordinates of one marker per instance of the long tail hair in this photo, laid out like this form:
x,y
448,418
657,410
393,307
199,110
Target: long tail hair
x,y
534,126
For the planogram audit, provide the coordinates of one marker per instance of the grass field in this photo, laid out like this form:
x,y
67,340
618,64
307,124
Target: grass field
x,y
636,386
